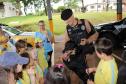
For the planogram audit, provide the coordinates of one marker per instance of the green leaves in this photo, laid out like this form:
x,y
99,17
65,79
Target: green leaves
x,y
71,3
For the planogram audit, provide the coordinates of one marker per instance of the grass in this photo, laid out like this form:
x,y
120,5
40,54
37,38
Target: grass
x,y
29,23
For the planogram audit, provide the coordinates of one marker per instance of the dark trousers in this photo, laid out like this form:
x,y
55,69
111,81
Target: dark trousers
x,y
50,58
78,65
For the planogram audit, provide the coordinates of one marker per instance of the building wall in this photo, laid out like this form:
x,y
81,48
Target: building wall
x,y
90,3
113,6
1,9
124,5
10,10
95,7
1,13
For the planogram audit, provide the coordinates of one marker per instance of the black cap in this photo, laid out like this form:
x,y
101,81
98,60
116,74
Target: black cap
x,y
66,14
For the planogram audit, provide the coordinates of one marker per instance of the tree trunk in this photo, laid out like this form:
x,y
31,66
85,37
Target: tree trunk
x,y
18,7
83,8
45,7
107,5
64,3
82,3
25,11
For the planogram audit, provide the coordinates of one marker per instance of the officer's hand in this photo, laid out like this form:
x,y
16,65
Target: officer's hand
x,y
83,41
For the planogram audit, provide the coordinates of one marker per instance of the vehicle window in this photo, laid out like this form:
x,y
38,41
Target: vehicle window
x,y
13,30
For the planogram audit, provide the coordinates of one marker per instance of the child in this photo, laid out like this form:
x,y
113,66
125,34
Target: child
x,y
106,72
3,44
34,57
40,55
24,74
8,61
33,69
57,75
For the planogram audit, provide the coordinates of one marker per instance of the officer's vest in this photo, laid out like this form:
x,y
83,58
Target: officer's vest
x,y
77,33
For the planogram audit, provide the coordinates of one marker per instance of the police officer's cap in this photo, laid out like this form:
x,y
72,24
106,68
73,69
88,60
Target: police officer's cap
x,y
66,14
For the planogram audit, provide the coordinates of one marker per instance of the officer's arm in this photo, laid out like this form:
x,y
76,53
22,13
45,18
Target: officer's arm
x,y
93,34
66,38
93,37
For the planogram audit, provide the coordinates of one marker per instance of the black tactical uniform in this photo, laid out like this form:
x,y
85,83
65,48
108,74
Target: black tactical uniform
x,y
77,63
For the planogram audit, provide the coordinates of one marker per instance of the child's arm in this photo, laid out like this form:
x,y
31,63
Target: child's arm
x,y
90,70
90,82
31,73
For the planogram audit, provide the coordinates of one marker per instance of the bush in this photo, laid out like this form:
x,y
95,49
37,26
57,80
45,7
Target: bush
x,y
40,13
55,11
61,8
30,14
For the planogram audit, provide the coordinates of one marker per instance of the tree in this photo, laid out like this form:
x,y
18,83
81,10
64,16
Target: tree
x,y
16,3
83,8
26,3
64,1
82,1
45,6
106,2
107,5
55,1
61,8
68,3
71,4
37,4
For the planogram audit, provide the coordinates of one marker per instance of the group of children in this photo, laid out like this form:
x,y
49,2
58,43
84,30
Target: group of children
x,y
34,70
28,65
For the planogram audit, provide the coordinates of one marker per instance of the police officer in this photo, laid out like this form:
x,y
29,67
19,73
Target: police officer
x,y
83,34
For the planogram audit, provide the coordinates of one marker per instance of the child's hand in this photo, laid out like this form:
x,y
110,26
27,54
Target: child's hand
x,y
65,56
46,33
90,82
90,70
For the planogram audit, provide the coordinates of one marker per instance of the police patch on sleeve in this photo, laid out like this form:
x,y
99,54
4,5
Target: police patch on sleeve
x,y
83,27
69,30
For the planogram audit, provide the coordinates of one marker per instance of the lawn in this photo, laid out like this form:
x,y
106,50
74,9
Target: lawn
x,y
29,23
